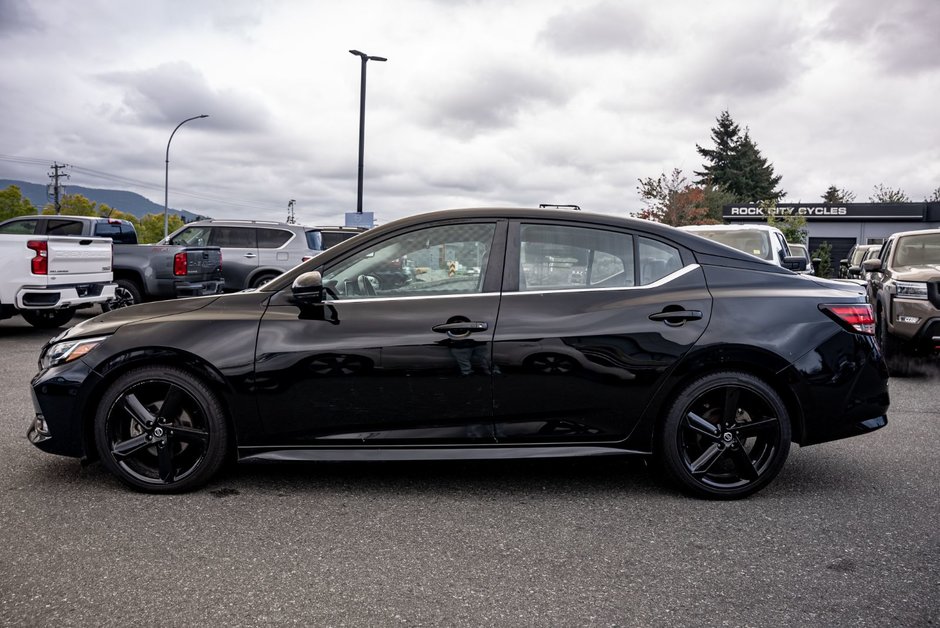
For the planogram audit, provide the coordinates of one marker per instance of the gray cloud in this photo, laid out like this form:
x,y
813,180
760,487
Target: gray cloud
x,y
17,16
175,91
492,98
604,27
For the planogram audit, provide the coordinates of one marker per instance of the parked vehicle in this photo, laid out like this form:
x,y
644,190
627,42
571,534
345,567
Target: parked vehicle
x,y
142,272
255,251
801,250
851,266
904,288
614,336
45,278
763,241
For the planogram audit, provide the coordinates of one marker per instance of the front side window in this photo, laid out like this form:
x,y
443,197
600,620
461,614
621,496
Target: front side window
x,y
442,260
192,236
560,257
19,226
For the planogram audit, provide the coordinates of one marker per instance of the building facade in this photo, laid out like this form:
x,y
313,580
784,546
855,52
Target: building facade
x,y
845,224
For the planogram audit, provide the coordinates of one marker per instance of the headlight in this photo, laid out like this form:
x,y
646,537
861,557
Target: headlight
x,y
62,352
911,289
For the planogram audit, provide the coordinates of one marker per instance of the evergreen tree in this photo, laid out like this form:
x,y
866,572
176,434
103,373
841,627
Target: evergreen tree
x,y
836,195
737,166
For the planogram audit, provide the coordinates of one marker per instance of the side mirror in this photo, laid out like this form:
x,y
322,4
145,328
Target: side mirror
x,y
794,262
843,262
307,288
871,265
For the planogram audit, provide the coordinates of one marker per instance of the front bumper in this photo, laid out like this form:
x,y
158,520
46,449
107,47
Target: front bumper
x,y
916,322
60,395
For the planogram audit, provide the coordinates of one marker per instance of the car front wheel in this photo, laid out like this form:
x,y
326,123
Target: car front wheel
x,y
161,429
726,436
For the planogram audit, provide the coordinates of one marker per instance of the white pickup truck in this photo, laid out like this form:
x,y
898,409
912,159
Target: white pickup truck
x,y
45,278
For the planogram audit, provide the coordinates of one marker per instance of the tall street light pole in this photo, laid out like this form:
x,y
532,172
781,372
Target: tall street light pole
x,y
166,183
362,118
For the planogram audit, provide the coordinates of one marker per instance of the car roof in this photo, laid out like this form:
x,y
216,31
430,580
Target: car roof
x,y
901,234
687,239
766,228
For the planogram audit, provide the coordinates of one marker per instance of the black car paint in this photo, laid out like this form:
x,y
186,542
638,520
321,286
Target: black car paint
x,y
385,394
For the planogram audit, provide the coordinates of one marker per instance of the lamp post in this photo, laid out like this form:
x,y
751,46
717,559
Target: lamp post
x,y
166,183
362,118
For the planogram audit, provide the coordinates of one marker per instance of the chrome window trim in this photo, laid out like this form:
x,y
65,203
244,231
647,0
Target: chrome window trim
x,y
659,282
459,295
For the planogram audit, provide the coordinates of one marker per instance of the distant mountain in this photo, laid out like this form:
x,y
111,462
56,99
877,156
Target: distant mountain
x,y
121,200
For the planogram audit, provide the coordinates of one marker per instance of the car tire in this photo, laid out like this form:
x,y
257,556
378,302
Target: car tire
x,y
261,280
126,294
152,452
726,436
48,319
898,363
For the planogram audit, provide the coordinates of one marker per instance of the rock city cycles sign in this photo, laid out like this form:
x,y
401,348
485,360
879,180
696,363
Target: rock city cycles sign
x,y
844,211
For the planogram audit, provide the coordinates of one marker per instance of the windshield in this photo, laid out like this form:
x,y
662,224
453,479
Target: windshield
x,y
917,250
754,242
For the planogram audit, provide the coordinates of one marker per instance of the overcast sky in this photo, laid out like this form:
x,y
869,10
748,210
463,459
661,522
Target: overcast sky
x,y
481,102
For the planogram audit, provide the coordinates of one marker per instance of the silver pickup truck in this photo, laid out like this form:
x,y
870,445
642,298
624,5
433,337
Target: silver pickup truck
x,y
45,278
142,272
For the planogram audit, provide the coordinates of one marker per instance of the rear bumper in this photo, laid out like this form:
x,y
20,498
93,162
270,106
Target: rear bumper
x,y
199,288
53,298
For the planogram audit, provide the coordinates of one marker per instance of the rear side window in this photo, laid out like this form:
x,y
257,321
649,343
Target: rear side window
x,y
234,237
657,260
561,257
315,240
64,227
272,238
119,232
19,226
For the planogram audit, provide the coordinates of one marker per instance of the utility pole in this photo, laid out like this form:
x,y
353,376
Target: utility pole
x,y
56,191
290,212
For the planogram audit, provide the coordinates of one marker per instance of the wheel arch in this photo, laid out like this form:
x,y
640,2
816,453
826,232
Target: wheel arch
x,y
765,365
117,365
265,271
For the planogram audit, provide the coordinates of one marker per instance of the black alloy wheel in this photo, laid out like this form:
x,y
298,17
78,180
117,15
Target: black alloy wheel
x,y
126,294
161,430
261,280
726,436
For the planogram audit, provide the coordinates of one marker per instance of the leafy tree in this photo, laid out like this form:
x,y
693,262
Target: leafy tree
x,y
836,195
888,195
13,203
736,165
935,197
75,205
824,254
150,227
793,226
673,200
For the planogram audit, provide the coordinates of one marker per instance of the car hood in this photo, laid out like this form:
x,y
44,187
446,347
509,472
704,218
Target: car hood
x,y
110,322
920,272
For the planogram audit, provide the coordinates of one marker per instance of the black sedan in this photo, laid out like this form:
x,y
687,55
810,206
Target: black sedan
x,y
515,333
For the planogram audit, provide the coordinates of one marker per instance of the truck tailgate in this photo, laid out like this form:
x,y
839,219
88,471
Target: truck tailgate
x,y
78,259
203,263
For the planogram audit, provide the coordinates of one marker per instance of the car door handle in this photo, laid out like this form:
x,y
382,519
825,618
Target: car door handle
x,y
676,317
250,255
463,326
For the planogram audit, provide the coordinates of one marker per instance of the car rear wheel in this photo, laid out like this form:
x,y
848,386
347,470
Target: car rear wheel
x,y
48,319
726,436
261,280
161,430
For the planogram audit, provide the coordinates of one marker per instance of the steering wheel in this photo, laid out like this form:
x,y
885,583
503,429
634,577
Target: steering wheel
x,y
365,285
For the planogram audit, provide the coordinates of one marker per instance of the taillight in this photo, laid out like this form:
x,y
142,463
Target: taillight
x,y
857,317
179,264
39,263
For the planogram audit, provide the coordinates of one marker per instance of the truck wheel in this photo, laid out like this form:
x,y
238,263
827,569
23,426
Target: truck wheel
x,y
262,279
126,294
48,319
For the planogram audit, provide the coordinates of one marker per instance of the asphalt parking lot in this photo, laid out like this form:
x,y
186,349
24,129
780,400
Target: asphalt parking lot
x,y
848,535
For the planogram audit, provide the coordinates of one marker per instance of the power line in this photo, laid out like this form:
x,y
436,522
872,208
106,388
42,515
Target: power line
x,y
127,181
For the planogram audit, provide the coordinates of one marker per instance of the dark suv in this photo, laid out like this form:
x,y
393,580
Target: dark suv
x,y
120,231
904,289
